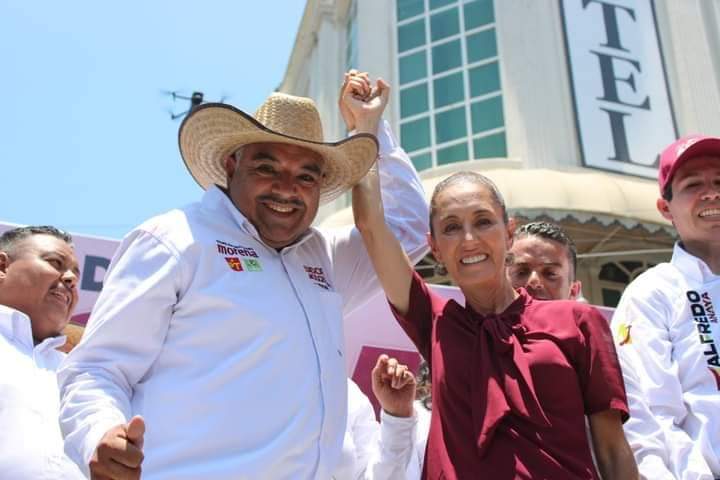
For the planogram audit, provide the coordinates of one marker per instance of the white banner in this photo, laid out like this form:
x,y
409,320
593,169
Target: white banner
x,y
622,106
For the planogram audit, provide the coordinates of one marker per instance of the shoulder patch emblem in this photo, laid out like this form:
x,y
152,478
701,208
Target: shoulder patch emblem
x,y
238,257
623,333
234,263
252,264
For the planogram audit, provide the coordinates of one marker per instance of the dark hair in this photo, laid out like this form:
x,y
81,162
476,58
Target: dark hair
x,y
553,232
10,239
424,385
667,192
471,177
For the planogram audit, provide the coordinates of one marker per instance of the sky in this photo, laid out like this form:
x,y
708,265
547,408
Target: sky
x,y
86,139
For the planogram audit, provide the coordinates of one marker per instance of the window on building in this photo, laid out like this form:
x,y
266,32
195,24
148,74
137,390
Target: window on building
x,y
409,8
615,276
413,67
422,161
487,114
451,104
450,125
444,24
411,35
455,153
416,134
414,100
449,89
478,13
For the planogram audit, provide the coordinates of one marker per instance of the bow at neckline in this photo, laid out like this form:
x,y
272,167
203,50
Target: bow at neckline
x,y
503,384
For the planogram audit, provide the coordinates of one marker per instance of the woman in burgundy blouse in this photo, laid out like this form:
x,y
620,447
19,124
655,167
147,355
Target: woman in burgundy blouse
x,y
513,378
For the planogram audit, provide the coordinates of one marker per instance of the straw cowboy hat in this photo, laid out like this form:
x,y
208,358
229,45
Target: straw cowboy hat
x,y
215,130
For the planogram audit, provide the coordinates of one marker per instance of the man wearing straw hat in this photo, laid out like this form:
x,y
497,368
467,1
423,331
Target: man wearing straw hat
x,y
38,293
215,349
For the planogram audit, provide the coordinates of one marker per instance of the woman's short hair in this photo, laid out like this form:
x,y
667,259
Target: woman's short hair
x,y
469,177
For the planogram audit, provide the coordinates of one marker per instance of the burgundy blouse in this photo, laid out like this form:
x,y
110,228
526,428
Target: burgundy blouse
x,y
510,392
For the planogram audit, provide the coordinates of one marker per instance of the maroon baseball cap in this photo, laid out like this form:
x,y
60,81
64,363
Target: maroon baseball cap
x,y
683,150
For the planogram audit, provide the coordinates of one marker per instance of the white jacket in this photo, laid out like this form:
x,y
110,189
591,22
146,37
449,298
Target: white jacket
x,y
230,350
373,451
668,336
31,445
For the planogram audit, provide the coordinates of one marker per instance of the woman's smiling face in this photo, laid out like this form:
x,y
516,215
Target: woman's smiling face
x,y
470,235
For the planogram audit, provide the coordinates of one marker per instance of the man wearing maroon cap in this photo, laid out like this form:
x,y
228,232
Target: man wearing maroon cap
x,y
667,327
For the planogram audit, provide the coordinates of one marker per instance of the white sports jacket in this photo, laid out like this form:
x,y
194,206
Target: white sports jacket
x,y
668,336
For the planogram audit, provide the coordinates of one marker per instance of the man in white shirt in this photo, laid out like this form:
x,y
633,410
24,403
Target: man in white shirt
x,y
38,292
666,324
219,327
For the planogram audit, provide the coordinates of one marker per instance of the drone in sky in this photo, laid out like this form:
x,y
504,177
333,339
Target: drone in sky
x,y
196,99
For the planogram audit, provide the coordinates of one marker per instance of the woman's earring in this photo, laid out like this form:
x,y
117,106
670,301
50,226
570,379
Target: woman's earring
x,y
440,269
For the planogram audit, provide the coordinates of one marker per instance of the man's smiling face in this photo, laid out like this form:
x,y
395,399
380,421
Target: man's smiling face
x,y
277,188
695,206
39,277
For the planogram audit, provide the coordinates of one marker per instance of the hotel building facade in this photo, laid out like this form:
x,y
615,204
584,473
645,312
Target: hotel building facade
x,y
565,104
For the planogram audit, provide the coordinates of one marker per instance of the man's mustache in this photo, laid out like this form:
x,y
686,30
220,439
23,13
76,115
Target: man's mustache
x,y
283,201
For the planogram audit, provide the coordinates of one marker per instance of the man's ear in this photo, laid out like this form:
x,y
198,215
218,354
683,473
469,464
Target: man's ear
x,y
4,263
575,289
663,207
230,163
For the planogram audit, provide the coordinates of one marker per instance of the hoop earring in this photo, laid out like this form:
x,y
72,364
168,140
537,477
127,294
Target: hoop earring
x,y
440,269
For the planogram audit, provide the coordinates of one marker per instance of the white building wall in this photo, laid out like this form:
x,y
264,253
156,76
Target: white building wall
x,y
376,39
691,45
539,116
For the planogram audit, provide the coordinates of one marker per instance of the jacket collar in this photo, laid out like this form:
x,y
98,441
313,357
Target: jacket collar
x,y
692,266
16,326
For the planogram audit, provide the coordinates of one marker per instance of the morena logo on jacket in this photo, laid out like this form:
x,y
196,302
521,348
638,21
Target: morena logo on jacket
x,y
239,258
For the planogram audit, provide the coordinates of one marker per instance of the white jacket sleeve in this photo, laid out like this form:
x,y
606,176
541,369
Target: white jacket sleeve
x,y
124,336
406,212
644,434
656,380
363,429
394,449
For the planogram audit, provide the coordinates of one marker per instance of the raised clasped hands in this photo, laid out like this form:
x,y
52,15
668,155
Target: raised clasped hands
x,y
362,103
